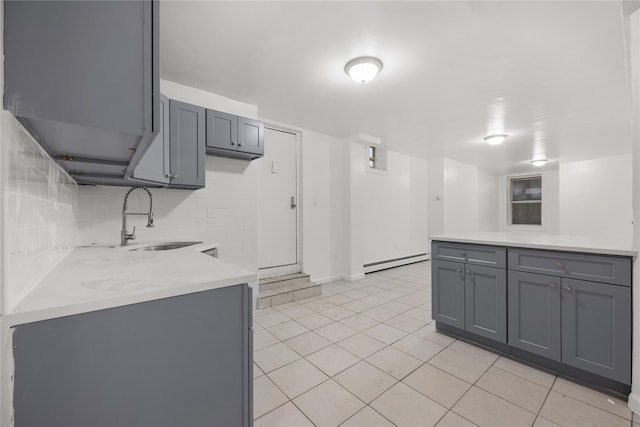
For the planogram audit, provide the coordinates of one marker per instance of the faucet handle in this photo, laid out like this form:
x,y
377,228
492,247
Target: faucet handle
x,y
133,233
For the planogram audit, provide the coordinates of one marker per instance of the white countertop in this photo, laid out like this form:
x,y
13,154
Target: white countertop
x,y
554,242
96,278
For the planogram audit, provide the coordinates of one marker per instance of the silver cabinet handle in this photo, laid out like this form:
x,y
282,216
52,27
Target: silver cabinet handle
x,y
552,285
240,144
233,143
567,288
468,272
174,176
459,270
464,254
560,265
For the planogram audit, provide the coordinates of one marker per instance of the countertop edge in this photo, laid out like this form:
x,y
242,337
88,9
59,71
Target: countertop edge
x,y
537,245
18,318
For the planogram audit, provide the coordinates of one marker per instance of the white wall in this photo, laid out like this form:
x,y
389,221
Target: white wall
x,y
323,180
40,212
435,196
595,199
395,209
225,211
460,196
488,199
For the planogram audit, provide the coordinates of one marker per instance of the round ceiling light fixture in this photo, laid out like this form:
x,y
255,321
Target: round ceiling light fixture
x,y
538,162
363,69
495,139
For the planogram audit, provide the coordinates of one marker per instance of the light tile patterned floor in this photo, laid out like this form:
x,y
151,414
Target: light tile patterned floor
x,y
366,354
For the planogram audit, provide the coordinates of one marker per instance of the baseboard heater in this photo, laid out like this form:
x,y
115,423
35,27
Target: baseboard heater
x,y
396,262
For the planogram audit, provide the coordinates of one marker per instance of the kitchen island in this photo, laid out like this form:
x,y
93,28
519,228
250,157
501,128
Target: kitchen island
x,y
560,302
118,337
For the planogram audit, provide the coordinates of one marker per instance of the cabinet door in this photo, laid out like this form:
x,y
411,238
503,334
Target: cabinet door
x,y
596,328
154,165
534,313
222,130
485,304
250,136
187,129
447,288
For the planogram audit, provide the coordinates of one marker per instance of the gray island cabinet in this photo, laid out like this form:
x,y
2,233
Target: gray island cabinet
x,y
567,312
178,361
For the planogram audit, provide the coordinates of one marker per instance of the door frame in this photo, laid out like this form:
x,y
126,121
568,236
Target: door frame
x,y
298,266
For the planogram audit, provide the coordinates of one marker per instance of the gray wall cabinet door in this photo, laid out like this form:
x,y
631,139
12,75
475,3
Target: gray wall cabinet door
x,y
187,129
181,361
222,130
534,313
250,136
596,328
485,304
447,287
155,165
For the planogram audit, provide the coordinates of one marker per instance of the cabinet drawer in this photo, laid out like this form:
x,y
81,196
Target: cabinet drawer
x,y
492,256
597,268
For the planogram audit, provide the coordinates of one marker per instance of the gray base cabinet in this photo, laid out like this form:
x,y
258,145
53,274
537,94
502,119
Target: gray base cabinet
x,y
467,295
570,309
234,136
181,361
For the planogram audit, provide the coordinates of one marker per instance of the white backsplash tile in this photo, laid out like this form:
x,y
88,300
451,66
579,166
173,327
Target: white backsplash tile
x,y
41,210
226,212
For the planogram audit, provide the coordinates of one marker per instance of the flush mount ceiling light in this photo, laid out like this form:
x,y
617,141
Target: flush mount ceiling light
x,y
363,69
538,162
495,139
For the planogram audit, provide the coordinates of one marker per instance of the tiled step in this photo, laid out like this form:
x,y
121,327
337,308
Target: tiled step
x,y
283,289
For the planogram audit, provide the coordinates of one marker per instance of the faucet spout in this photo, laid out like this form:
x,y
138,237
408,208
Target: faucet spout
x,y
125,236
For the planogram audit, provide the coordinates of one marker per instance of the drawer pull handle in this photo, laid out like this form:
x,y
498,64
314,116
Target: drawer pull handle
x,y
464,254
560,265
552,285
567,288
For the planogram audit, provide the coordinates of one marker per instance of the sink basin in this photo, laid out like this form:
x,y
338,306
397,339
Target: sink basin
x,y
166,246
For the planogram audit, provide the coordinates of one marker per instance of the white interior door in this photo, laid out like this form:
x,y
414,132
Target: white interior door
x,y
278,218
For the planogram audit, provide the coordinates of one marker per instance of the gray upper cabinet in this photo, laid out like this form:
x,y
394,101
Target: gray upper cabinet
x,y
187,145
596,328
154,167
234,136
534,314
83,78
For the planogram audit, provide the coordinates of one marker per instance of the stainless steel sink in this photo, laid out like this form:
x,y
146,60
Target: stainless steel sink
x,y
166,246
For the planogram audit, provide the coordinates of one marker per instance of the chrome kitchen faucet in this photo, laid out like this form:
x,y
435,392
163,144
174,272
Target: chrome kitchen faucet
x,y
124,235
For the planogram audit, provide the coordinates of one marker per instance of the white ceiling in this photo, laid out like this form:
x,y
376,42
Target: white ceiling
x,y
552,75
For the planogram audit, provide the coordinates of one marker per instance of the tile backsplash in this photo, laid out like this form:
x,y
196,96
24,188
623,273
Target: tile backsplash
x,y
41,206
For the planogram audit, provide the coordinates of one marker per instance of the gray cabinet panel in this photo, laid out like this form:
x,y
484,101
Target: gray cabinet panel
x,y
485,305
250,136
597,268
83,78
187,129
491,256
596,328
222,130
181,361
447,287
155,165
534,313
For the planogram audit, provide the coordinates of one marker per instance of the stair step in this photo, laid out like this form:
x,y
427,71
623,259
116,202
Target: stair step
x,y
285,294
282,281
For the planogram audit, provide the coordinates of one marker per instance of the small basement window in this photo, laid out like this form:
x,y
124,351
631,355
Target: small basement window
x,y
525,201
376,159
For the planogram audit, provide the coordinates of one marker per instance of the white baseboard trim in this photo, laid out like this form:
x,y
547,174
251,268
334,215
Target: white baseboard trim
x,y
395,263
354,277
324,280
634,402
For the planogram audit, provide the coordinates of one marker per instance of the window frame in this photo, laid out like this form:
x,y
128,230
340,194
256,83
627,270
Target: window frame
x,y
510,224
